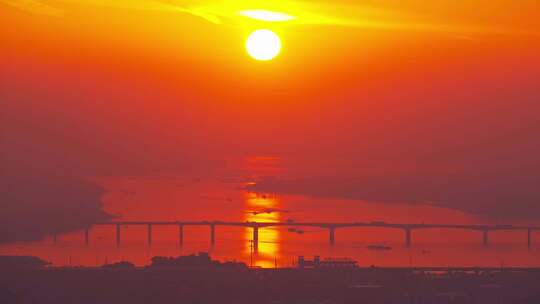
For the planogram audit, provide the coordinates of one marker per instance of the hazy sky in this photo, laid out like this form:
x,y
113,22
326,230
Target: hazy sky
x,y
441,95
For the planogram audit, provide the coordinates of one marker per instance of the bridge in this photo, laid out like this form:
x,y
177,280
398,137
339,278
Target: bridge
x,y
330,226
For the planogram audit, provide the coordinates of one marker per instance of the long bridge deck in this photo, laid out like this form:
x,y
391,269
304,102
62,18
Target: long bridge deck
x,y
324,224
331,226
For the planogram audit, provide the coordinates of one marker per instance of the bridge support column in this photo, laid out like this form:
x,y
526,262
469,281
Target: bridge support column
x,y
255,239
332,235
529,237
86,237
118,235
149,234
212,234
408,237
180,235
485,237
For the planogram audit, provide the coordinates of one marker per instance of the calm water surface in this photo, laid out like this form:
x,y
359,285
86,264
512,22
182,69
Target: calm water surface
x,y
223,198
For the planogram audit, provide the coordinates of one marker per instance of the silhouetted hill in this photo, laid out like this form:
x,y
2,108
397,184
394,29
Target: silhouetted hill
x,y
37,205
202,259
10,262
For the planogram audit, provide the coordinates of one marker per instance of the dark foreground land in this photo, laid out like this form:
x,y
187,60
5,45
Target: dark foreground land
x,y
237,284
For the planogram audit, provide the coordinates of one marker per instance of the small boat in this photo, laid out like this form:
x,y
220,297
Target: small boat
x,y
378,247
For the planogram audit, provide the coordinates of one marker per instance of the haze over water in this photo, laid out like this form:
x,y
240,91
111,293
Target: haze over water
x,y
222,195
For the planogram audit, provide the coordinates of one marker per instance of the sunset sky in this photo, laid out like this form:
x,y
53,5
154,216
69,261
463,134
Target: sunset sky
x,y
390,101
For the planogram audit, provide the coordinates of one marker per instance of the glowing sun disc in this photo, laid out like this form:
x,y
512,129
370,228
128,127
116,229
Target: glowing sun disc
x,y
263,45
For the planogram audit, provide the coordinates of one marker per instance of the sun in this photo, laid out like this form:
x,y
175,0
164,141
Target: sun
x,y
263,45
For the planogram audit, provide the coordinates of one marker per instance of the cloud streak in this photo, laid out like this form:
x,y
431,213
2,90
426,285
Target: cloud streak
x,y
316,13
34,6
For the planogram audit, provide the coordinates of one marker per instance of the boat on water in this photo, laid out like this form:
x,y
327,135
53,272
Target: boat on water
x,y
378,247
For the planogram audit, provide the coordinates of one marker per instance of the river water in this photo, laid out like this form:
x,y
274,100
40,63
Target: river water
x,y
223,197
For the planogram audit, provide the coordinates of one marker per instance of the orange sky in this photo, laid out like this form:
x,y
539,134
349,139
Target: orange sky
x,y
165,43
99,87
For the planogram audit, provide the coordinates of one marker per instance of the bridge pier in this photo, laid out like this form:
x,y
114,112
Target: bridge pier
x,y
149,234
86,237
529,237
332,235
255,239
180,235
212,234
408,237
486,237
118,235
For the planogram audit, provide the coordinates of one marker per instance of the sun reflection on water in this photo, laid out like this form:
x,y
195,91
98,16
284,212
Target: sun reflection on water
x,y
262,208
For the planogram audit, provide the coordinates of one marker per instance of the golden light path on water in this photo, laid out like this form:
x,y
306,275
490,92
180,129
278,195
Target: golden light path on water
x,y
260,207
